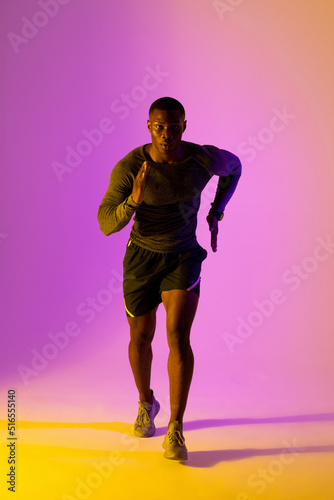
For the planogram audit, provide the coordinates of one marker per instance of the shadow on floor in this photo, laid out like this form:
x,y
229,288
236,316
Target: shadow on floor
x,y
199,459
210,423
206,459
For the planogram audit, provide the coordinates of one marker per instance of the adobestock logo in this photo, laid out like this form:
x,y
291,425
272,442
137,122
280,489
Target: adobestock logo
x,y
121,107
257,143
57,342
202,198
266,307
31,27
225,7
103,468
264,477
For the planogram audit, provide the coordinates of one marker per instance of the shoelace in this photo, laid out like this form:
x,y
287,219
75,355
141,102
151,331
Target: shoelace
x,y
143,416
177,437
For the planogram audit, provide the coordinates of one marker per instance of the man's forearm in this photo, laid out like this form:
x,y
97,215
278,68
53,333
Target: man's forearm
x,y
225,189
113,218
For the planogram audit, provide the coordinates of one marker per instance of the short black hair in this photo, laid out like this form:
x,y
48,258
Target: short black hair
x,y
167,104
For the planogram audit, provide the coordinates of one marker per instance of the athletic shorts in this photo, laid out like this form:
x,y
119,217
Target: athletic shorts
x,y
146,274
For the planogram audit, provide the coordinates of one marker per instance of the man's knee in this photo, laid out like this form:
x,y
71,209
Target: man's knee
x,y
179,341
142,331
141,339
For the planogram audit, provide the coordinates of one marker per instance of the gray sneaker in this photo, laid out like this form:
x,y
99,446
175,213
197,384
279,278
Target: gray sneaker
x,y
144,424
174,443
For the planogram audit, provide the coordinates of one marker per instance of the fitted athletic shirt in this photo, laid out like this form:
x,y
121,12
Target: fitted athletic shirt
x,y
167,218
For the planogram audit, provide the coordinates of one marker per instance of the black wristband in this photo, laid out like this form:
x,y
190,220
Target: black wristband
x,y
219,216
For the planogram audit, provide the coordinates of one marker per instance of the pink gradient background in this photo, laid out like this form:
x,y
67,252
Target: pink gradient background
x,y
230,70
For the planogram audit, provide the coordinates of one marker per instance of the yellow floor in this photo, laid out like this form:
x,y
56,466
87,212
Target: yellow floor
x,y
67,461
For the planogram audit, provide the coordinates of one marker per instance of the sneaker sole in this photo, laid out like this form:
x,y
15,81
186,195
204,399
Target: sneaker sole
x,y
140,434
182,457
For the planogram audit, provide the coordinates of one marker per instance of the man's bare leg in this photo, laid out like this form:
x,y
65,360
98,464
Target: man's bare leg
x,y
180,307
142,330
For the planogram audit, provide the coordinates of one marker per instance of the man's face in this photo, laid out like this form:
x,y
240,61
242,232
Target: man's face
x,y
166,128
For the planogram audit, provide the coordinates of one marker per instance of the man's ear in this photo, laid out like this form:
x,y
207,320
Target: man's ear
x,y
149,125
184,125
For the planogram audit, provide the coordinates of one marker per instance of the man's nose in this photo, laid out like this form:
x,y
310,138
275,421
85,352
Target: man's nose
x,y
166,133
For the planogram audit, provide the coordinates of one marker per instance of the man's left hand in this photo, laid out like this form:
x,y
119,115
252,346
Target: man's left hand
x,y
213,227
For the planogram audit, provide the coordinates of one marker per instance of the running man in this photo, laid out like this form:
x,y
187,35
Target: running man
x,y
161,183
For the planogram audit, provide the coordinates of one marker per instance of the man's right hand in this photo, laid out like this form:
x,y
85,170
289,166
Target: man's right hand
x,y
138,190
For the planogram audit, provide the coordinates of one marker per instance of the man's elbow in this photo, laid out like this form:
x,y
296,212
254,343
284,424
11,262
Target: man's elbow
x,y
236,166
104,226
106,231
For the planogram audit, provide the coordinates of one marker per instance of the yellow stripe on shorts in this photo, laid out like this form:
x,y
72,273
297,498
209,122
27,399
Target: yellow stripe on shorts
x,y
127,310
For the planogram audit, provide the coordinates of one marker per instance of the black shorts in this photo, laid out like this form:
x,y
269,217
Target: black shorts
x,y
146,274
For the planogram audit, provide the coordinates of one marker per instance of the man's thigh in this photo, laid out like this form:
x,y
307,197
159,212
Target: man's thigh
x,y
185,274
142,273
181,306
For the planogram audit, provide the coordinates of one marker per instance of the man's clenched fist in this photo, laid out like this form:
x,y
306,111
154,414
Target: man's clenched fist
x,y
138,190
